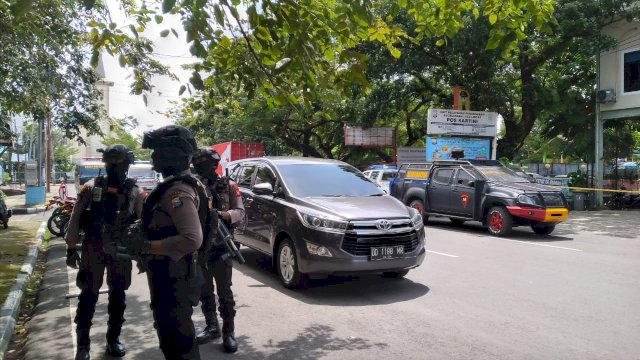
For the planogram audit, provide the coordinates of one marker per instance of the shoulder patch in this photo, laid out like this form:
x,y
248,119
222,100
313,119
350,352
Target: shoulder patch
x,y
176,200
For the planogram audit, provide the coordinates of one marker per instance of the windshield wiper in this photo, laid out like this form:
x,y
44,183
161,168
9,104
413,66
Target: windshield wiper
x,y
376,195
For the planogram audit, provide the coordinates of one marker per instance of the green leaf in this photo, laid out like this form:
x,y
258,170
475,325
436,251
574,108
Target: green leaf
x,y
174,32
253,16
493,18
92,23
182,90
494,41
89,4
217,12
113,26
122,60
95,55
196,81
440,42
158,19
167,5
144,99
394,52
164,33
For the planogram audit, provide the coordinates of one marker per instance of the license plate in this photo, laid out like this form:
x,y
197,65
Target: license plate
x,y
387,252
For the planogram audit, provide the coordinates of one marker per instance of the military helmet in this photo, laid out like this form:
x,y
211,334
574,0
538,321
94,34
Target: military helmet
x,y
170,136
117,153
205,154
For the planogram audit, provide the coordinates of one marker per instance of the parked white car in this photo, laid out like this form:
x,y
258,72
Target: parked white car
x,y
382,177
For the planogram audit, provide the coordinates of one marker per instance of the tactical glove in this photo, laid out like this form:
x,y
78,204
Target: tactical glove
x,y
73,259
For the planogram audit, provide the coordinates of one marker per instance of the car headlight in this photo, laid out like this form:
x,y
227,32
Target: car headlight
x,y
323,223
416,219
529,200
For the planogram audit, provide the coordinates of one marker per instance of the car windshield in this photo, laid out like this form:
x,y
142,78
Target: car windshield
x,y
318,180
141,173
502,174
91,171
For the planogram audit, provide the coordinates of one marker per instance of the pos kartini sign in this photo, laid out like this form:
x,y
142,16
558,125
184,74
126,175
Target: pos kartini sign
x,y
458,134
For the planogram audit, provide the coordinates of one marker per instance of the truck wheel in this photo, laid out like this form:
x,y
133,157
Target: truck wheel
x,y
287,265
457,222
543,230
499,221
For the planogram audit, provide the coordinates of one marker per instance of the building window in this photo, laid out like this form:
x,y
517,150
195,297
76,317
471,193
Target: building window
x,y
631,71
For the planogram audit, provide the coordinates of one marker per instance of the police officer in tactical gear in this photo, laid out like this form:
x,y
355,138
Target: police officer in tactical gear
x,y
171,235
105,207
228,202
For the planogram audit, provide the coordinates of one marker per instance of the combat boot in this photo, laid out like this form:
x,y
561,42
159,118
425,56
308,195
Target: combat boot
x,y
212,331
84,345
229,343
114,347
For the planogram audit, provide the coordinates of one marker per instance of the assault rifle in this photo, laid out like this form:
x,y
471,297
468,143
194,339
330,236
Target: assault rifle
x,y
225,239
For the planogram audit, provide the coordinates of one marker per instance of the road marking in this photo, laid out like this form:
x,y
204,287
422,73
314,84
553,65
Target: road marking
x,y
531,243
443,254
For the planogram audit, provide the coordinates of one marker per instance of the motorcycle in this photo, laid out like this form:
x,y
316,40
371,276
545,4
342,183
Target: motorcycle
x,y
620,201
59,219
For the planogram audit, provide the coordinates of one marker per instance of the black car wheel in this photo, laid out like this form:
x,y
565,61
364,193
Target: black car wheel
x,y
499,221
543,230
395,274
287,265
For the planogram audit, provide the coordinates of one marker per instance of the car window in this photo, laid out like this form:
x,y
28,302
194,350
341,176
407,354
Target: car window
x,y
367,173
326,180
264,175
244,177
463,178
374,175
233,171
442,175
388,175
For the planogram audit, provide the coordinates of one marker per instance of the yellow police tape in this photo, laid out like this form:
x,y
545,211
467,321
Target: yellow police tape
x,y
603,190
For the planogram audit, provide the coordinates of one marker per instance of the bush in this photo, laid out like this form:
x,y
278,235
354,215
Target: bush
x,y
578,179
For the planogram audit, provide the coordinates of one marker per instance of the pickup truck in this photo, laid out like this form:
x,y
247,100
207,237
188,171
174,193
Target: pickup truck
x,y
409,184
486,191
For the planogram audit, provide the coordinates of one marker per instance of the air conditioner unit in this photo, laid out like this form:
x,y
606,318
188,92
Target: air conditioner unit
x,y
606,96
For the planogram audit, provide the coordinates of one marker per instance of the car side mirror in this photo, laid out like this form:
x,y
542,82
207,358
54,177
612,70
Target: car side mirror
x,y
262,189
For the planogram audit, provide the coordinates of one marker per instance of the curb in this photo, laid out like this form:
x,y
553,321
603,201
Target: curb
x,y
11,306
28,210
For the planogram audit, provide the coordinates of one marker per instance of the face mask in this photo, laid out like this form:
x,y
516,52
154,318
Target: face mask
x,y
169,161
116,173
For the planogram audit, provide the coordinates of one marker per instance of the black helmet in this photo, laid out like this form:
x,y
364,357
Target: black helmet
x,y
201,155
170,136
117,153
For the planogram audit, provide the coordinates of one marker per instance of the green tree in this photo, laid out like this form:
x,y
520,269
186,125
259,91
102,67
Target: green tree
x,y
62,152
121,134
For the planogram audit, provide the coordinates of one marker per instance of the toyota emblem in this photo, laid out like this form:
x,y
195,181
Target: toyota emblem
x,y
383,224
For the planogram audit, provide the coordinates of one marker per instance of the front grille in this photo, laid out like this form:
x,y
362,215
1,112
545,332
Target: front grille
x,y
361,236
552,200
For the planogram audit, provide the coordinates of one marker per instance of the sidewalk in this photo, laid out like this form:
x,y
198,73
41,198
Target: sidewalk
x,y
16,199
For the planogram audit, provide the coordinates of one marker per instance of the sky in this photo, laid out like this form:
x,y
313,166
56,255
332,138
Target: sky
x,y
170,51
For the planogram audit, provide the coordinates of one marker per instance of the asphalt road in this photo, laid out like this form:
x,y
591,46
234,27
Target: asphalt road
x,y
571,295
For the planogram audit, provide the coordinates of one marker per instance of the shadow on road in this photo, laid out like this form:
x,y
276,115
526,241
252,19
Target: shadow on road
x,y
362,290
314,342
522,233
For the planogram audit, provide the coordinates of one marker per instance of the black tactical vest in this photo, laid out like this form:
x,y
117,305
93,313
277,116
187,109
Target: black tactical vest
x,y
110,210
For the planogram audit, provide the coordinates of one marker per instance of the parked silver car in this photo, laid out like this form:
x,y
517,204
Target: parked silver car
x,y
319,216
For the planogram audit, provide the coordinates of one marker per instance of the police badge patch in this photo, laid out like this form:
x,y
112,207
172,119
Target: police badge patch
x,y
176,201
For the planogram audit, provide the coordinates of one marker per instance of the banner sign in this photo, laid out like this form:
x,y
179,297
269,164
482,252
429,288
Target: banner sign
x,y
410,155
372,137
440,148
459,122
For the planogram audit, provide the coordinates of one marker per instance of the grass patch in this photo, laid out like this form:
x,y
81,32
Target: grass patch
x,y
14,246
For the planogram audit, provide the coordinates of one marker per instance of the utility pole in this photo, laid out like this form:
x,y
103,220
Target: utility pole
x,y
598,169
47,139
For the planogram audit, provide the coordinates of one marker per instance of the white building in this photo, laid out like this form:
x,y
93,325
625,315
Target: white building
x,y
94,142
619,92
